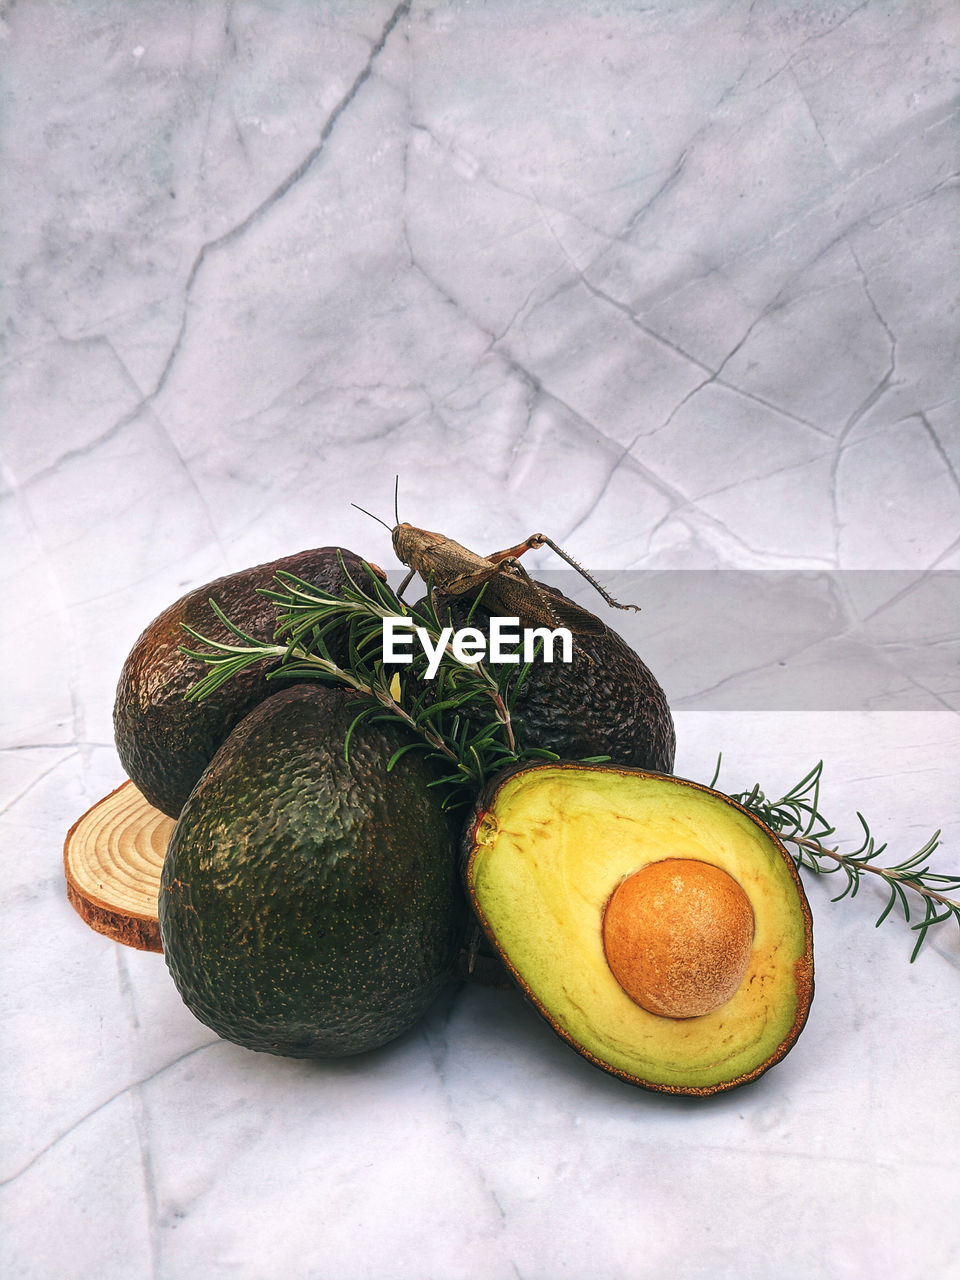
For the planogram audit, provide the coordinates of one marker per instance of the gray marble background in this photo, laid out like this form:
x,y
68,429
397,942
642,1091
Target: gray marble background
x,y
675,283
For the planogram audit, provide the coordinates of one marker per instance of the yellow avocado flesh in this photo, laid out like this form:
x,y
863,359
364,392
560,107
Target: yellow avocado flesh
x,y
548,855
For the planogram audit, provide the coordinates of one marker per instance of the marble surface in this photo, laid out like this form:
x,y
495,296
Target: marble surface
x,y
674,283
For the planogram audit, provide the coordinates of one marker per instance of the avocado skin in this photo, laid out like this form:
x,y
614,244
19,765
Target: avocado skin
x,y
311,906
606,702
165,742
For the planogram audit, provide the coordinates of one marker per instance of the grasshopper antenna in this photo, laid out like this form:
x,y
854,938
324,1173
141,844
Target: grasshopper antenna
x,y
396,494
372,516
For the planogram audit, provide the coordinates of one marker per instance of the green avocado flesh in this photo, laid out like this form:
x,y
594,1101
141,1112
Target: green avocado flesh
x,y
310,905
548,846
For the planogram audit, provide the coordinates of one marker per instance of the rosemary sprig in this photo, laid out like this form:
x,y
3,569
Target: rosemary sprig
x,y
463,716
797,818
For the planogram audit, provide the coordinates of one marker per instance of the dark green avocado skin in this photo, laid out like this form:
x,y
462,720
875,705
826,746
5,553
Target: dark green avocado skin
x,y
606,702
165,742
311,906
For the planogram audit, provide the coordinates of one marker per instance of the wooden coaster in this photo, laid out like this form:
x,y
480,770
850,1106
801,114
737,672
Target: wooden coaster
x,y
112,859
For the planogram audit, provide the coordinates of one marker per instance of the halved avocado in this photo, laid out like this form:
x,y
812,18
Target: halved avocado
x,y
660,928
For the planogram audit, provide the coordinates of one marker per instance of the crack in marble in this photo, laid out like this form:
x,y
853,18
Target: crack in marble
x,y
671,180
766,556
876,394
778,409
812,39
894,208
437,1057
293,177
140,1117
822,207
70,668
680,501
536,386
101,1106
635,320
899,208
938,446
672,494
714,375
530,196
946,552
250,219
856,624
810,112
192,481
897,596
89,341
148,1174
783,469
73,750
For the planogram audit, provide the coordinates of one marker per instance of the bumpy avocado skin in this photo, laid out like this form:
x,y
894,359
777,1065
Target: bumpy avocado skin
x,y
311,906
165,742
606,702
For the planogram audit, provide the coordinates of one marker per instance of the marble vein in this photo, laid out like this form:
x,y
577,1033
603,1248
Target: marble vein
x,y
813,117
713,375
536,386
44,773
813,39
436,1050
250,219
886,379
133,1086
141,1118
937,443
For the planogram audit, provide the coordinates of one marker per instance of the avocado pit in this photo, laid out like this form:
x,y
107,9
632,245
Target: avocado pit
x,y
677,936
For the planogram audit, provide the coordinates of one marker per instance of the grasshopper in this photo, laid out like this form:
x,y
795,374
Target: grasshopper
x,y
455,570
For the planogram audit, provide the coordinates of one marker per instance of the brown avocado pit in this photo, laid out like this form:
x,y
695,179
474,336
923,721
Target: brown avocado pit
x,y
677,937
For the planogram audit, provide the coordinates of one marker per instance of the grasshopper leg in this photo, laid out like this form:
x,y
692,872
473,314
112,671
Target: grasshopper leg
x,y
541,540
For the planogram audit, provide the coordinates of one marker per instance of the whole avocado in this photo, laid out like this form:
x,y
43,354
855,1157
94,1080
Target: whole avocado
x,y
605,702
310,905
164,741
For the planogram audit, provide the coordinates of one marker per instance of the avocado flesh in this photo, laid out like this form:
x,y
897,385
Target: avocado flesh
x,y
311,906
165,741
548,847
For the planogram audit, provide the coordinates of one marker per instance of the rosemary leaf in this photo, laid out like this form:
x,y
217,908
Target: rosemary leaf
x,y
796,817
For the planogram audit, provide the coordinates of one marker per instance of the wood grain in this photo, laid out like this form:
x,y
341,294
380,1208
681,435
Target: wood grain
x,y
112,859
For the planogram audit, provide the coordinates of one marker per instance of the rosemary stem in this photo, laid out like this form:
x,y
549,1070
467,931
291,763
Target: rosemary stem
x,y
503,714
430,735
886,873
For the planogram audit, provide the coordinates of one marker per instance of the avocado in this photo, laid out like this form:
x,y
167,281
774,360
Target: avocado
x,y
164,741
605,702
311,905
660,928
